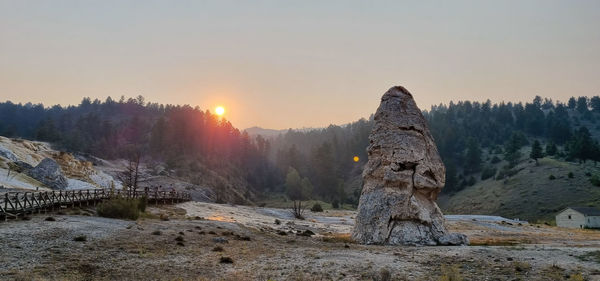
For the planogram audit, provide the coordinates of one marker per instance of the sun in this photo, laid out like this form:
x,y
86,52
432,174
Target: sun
x,y
355,158
220,110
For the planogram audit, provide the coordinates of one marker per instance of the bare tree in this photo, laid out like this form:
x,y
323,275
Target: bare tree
x,y
297,189
298,209
132,176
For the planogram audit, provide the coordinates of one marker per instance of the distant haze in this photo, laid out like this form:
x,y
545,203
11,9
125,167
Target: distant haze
x,y
292,64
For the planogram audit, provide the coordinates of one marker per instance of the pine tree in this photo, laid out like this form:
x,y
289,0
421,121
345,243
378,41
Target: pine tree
x,y
582,105
473,157
536,151
582,146
512,151
325,170
551,149
572,103
451,180
595,103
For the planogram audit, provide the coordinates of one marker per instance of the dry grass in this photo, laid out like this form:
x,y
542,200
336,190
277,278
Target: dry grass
x,y
593,256
521,266
497,241
480,235
338,238
136,254
450,273
576,277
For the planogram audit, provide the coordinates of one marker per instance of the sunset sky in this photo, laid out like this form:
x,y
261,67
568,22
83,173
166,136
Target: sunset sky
x,y
282,64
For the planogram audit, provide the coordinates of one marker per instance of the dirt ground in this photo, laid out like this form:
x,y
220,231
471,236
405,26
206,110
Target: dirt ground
x,y
203,241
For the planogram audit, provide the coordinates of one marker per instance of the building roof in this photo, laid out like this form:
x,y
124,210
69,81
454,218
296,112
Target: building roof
x,y
588,211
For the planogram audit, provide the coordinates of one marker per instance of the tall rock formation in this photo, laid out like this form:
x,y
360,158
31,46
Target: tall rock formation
x,y
402,179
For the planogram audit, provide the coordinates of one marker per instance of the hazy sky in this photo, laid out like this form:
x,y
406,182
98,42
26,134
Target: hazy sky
x,y
281,64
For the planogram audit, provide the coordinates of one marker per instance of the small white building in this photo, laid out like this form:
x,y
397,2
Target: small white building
x,y
579,217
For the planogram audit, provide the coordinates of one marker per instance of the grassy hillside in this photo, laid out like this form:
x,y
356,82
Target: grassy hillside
x,y
530,194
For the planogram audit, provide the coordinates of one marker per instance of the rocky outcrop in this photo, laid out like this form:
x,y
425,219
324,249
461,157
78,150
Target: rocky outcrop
x,y
49,173
402,179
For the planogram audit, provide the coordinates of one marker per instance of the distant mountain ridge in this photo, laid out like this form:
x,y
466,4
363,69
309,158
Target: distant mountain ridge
x,y
255,131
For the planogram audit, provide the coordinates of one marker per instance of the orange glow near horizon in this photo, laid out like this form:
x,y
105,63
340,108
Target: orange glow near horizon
x,y
220,110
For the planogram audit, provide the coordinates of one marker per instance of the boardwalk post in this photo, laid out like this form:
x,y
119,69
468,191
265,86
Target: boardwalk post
x,y
3,207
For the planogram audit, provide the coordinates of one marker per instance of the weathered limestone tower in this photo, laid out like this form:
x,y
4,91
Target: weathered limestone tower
x,y
402,179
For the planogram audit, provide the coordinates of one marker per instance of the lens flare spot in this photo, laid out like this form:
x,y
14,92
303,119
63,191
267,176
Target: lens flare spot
x,y
355,158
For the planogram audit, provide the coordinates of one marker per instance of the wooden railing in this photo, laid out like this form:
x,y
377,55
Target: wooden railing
x,y
15,204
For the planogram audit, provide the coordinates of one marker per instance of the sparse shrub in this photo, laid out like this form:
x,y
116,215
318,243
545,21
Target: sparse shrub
x,y
506,173
590,256
142,203
335,204
521,266
225,260
551,177
384,275
571,175
80,238
497,150
450,273
588,174
179,239
156,232
595,180
119,208
488,172
218,249
50,219
242,238
576,277
298,210
164,217
316,208
495,160
277,222
471,181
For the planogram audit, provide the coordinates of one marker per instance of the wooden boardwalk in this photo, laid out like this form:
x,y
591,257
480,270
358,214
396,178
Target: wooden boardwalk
x,y
15,204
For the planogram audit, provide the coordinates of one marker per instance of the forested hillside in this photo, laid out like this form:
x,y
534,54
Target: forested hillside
x,y
192,144
477,142
480,143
